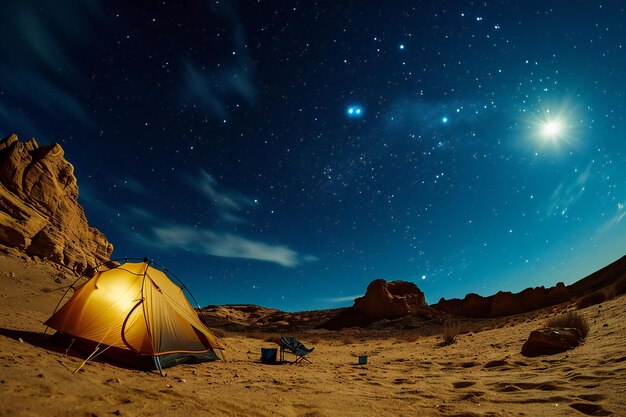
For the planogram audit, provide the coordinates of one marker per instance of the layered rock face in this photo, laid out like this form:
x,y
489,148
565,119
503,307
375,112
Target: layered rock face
x,y
605,283
390,300
39,209
505,303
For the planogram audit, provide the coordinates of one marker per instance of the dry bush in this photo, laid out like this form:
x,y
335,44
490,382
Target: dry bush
x,y
315,340
264,336
409,337
591,299
450,332
348,340
570,319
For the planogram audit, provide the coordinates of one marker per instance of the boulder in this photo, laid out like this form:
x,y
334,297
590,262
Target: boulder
x,y
550,340
39,209
390,300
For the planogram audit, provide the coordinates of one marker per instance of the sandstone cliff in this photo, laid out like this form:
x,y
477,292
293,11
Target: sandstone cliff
x,y
39,209
384,301
602,285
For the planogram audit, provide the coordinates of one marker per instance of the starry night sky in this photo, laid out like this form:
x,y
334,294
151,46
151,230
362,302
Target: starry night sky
x,y
286,153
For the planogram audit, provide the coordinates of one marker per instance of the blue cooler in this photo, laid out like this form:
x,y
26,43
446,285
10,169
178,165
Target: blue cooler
x,y
268,355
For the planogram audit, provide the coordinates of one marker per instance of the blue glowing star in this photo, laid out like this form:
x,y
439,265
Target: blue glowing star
x,y
401,46
444,119
354,111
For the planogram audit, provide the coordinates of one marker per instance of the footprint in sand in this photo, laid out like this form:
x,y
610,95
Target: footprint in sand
x,y
496,363
594,398
404,381
470,364
590,409
463,384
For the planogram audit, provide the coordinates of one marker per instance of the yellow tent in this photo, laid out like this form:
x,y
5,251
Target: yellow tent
x,y
135,308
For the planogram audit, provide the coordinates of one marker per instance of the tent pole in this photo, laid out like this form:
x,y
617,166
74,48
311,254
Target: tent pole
x,y
157,362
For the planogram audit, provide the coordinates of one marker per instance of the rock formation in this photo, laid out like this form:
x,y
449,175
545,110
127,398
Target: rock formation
x,y
390,300
39,209
383,301
505,303
608,282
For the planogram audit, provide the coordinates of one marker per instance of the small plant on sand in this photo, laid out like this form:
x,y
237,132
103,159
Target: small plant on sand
x,y
348,340
450,332
570,319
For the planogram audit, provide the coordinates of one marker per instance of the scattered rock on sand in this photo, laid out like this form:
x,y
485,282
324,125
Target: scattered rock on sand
x,y
550,340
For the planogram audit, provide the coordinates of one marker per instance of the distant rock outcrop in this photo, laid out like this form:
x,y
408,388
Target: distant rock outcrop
x,y
608,282
39,209
505,303
383,301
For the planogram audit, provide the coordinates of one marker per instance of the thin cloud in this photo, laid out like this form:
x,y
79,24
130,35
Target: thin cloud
x,y
228,203
615,220
38,70
224,245
568,192
149,230
50,99
220,196
213,90
338,300
133,185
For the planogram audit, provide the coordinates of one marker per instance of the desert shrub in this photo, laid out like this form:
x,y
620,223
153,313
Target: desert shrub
x,y
315,340
264,336
591,299
272,338
570,319
348,340
450,332
410,337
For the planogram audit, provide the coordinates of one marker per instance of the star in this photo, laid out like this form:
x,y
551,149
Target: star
x,y
444,119
354,111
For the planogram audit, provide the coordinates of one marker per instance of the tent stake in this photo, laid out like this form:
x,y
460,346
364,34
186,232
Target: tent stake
x,y
86,360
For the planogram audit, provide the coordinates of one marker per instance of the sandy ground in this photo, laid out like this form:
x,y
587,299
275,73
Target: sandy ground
x,y
482,374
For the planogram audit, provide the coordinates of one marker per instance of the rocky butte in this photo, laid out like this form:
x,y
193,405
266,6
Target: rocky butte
x,y
39,209
384,301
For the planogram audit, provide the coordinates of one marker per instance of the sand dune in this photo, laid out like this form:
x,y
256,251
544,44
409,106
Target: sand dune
x,y
409,373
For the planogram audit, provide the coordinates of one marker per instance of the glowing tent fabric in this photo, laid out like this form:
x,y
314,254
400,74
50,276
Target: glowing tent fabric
x,y
136,307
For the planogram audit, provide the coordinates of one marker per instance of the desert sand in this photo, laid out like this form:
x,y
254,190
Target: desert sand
x,y
409,372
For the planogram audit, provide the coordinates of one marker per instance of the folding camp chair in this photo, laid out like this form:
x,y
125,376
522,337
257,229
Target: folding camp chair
x,y
291,345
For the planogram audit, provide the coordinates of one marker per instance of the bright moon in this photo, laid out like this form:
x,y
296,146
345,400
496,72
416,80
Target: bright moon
x,y
552,128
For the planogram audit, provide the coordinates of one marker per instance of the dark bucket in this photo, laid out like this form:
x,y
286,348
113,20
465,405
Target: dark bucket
x,y
268,355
